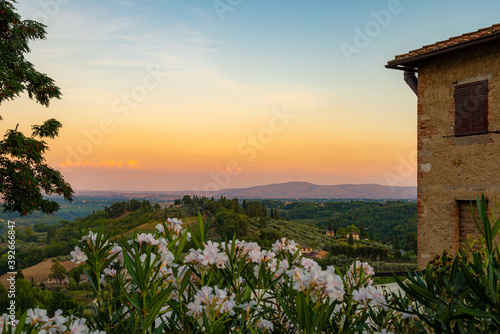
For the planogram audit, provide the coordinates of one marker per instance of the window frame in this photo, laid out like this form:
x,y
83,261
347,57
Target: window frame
x,y
468,102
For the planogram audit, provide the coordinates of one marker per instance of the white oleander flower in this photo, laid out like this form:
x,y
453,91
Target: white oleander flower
x,y
78,255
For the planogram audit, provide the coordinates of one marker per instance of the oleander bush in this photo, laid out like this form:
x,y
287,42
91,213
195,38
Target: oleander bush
x,y
150,285
461,293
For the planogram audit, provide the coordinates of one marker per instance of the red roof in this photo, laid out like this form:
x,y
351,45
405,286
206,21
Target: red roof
x,y
466,40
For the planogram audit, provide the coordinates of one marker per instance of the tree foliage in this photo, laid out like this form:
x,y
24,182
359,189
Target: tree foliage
x,y
57,272
381,219
350,240
24,175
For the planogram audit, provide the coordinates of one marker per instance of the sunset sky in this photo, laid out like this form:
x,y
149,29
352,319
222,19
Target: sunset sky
x,y
175,95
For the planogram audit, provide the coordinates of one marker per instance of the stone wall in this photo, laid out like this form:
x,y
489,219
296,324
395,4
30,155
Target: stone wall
x,y
454,168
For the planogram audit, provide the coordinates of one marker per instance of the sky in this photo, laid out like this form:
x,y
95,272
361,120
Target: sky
x,y
175,95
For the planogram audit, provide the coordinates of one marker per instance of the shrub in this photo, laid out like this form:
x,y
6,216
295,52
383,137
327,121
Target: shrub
x,y
459,293
72,285
224,287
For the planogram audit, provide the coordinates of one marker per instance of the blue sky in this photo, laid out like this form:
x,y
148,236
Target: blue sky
x,y
220,71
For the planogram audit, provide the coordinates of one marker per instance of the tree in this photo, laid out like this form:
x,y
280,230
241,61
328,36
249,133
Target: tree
x,y
330,228
396,242
28,231
41,227
411,242
352,228
276,214
133,205
270,235
72,285
25,175
263,222
397,247
51,233
362,231
19,274
17,233
186,200
75,274
264,210
57,272
350,240
341,232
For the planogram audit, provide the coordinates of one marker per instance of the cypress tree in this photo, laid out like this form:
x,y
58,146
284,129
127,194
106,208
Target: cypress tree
x,y
350,241
397,247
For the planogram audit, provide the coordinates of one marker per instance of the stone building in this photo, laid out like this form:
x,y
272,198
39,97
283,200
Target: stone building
x,y
355,236
458,110
305,249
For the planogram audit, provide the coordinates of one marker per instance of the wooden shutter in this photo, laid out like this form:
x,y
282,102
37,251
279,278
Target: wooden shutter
x,y
462,110
480,107
471,108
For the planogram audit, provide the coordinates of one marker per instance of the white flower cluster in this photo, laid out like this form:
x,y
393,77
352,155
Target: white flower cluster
x,y
210,256
43,324
175,226
91,237
323,283
214,255
147,238
286,246
353,275
117,250
78,255
265,324
370,296
211,301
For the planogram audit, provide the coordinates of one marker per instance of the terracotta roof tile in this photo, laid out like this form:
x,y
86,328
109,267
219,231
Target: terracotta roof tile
x,y
449,43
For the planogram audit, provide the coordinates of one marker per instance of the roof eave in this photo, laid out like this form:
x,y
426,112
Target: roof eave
x,y
411,64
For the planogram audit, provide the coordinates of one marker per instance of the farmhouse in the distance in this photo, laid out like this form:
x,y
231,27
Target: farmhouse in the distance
x,y
458,89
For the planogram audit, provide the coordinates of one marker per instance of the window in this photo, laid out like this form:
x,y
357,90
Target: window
x,y
471,108
466,225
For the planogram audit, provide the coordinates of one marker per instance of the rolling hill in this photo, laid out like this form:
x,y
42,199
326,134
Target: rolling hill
x,y
309,190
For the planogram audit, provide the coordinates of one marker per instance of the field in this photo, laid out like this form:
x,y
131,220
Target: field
x,y
80,207
39,272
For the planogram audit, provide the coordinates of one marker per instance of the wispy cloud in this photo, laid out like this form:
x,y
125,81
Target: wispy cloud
x,y
108,164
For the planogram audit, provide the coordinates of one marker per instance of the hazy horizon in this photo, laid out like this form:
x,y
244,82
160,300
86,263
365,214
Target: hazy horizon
x,y
252,186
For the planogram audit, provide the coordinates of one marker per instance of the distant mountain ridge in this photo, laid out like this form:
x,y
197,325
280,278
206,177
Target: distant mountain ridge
x,y
300,190
310,190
